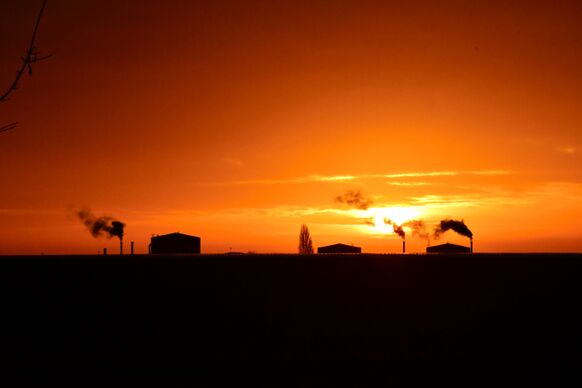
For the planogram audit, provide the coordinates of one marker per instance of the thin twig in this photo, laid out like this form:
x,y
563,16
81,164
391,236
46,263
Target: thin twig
x,y
31,57
8,127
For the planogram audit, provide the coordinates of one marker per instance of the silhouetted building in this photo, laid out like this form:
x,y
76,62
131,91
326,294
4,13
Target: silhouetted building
x,y
174,243
448,248
339,248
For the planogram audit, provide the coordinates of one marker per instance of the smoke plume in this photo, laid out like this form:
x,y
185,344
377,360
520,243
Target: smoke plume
x,y
101,226
354,199
418,228
370,221
457,226
398,229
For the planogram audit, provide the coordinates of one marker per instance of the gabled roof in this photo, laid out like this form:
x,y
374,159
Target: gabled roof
x,y
339,246
448,247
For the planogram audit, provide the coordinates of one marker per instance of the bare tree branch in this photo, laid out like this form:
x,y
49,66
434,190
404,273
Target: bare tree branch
x,y
31,57
8,127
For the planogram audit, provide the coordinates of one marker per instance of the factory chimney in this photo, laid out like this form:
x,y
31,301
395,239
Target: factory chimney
x,y
403,246
471,244
120,246
104,251
132,248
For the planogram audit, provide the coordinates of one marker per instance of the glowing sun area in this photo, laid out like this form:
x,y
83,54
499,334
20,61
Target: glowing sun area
x,y
398,215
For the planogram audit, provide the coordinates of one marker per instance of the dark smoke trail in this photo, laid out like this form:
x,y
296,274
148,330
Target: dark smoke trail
x,y
355,199
398,229
418,228
457,226
101,226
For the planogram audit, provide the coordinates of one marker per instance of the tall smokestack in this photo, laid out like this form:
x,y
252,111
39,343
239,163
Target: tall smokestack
x,y
471,244
132,248
120,246
399,230
104,251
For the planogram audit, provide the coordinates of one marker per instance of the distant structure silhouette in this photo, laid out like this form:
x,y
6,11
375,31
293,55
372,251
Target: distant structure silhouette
x,y
175,243
339,248
305,242
448,248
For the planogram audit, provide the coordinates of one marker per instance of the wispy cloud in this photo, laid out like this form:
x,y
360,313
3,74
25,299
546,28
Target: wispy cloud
x,y
303,179
362,177
491,172
254,212
499,197
427,174
333,178
408,183
418,174
314,211
442,201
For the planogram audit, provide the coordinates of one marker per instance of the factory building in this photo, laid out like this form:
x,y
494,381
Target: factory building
x,y
175,243
448,248
339,248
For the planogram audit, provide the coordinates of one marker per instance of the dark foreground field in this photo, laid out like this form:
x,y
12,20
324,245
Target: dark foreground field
x,y
156,313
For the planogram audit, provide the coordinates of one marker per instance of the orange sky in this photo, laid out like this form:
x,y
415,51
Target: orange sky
x,y
239,121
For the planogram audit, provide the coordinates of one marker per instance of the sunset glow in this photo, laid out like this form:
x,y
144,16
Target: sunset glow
x,y
240,121
398,215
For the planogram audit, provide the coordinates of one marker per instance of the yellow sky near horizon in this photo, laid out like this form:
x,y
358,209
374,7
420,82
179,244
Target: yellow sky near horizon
x,y
489,212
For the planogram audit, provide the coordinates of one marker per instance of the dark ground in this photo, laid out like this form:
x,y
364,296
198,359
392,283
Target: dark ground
x,y
284,313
